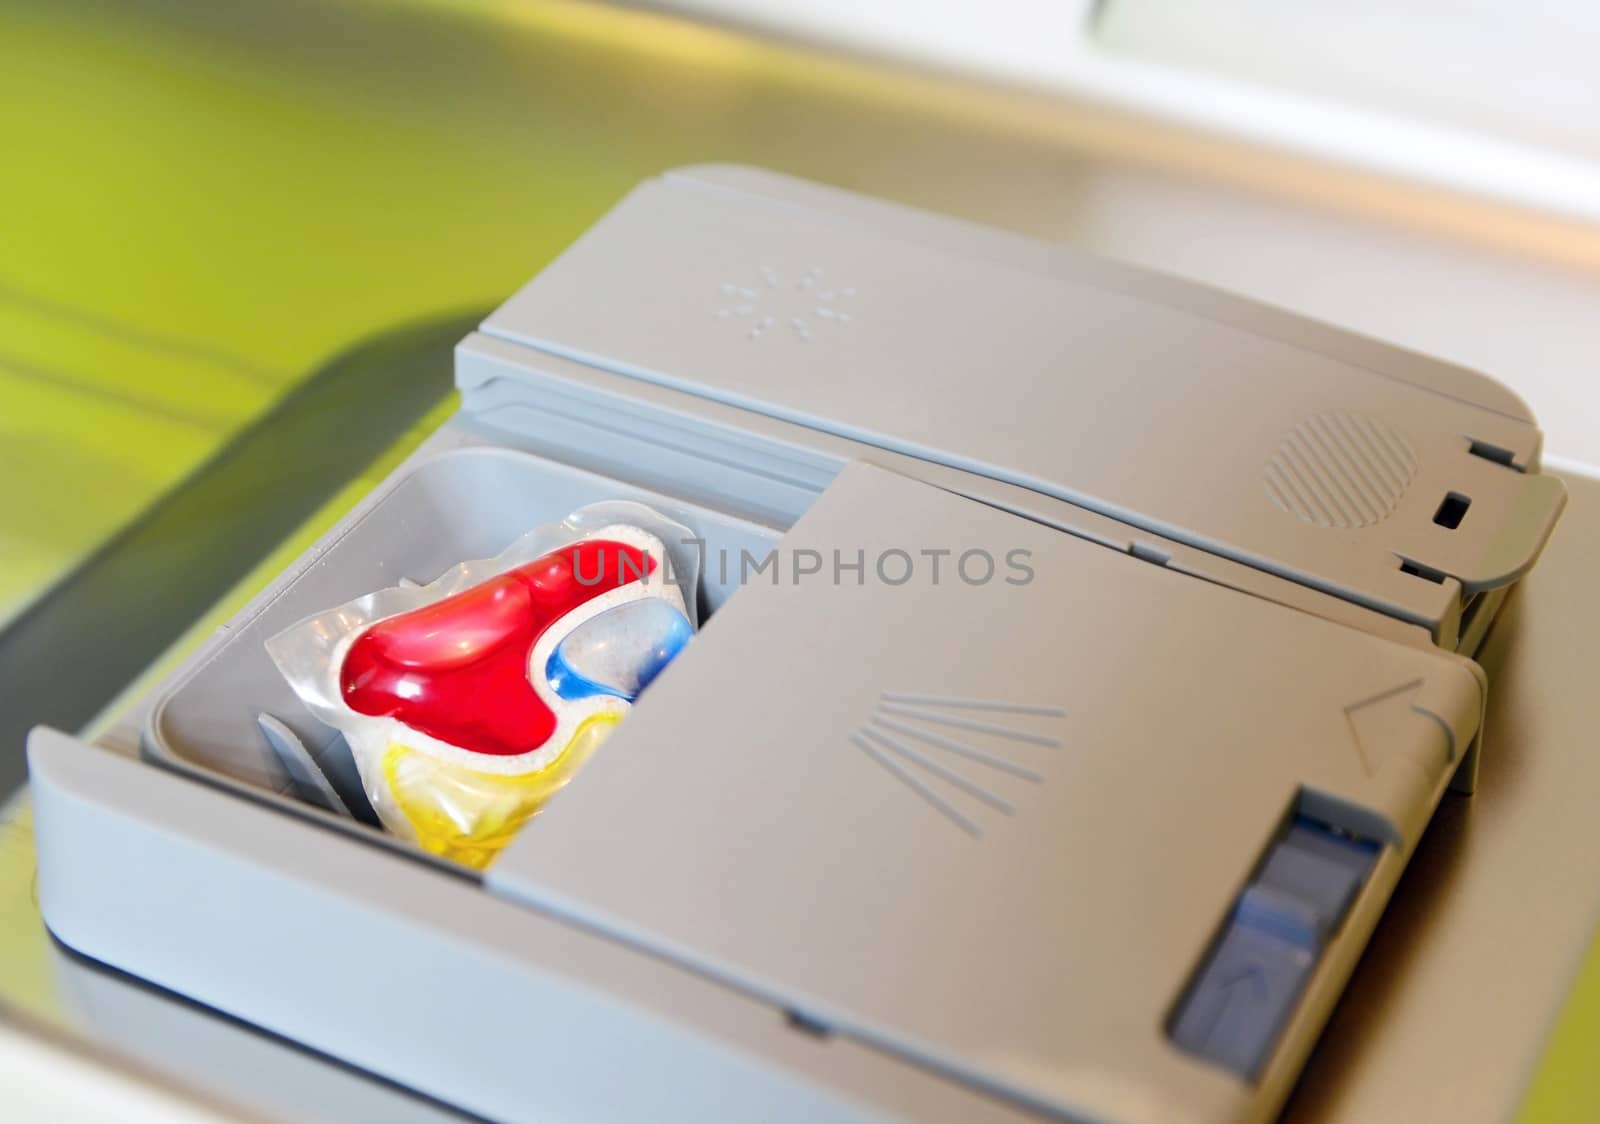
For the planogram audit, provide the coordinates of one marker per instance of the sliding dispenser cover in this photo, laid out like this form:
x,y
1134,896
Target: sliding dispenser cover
x,y
1086,653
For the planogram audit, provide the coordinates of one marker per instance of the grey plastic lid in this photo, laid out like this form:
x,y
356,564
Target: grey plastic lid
x,y
959,819
1263,438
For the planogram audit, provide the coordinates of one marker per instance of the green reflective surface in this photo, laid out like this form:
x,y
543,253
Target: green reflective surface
x,y
200,203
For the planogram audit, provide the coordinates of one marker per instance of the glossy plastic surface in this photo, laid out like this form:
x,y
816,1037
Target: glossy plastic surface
x,y
442,692
458,669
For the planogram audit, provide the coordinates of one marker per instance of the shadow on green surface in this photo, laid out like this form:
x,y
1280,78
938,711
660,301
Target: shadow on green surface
x,y
65,657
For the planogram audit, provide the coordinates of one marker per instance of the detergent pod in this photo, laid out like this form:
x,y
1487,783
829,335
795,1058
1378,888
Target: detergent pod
x,y
469,701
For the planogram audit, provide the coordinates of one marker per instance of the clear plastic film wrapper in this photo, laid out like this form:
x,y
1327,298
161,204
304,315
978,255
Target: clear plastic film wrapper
x,y
469,701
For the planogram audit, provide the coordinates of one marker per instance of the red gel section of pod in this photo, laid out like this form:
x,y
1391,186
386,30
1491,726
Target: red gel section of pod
x,y
457,670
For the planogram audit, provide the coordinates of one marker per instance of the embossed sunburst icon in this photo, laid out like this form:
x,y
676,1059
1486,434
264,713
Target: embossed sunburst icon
x,y
986,734
769,305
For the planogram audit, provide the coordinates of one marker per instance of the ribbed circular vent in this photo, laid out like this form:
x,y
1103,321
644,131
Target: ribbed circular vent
x,y
1340,470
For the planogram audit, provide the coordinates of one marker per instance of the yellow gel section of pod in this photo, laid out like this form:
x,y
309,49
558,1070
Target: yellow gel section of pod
x,y
469,816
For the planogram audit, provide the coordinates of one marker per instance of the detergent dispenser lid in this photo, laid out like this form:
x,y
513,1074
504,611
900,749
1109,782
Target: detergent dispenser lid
x,y
988,819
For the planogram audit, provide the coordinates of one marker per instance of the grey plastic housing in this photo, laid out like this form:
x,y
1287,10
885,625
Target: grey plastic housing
x,y
277,914
754,902
417,974
1264,439
474,500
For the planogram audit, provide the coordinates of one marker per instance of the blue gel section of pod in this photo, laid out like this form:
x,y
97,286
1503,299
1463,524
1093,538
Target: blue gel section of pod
x,y
618,652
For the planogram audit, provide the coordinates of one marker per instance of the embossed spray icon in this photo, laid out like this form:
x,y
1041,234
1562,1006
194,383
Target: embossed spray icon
x,y
903,718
